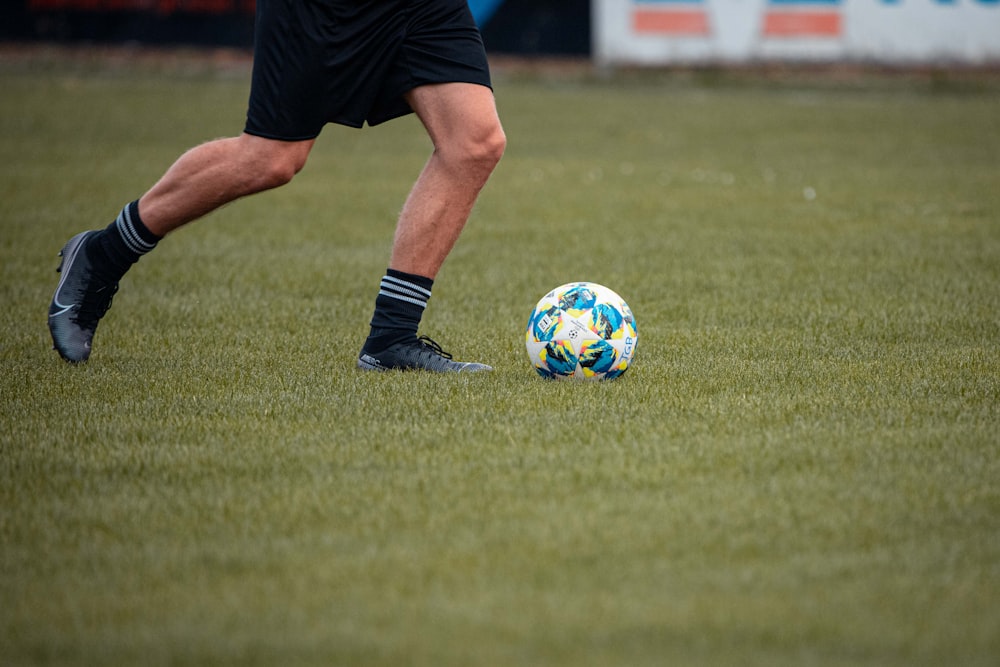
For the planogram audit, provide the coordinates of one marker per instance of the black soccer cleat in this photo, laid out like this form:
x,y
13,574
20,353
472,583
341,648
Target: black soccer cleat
x,y
417,354
80,301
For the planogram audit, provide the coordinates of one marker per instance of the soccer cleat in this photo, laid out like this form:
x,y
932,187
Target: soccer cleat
x,y
79,302
417,354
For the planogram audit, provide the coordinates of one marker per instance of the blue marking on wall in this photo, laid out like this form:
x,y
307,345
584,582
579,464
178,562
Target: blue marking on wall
x,y
483,10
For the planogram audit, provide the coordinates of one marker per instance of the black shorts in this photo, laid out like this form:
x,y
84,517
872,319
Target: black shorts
x,y
351,61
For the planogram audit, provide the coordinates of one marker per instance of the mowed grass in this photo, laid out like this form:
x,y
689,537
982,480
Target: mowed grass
x,y
801,468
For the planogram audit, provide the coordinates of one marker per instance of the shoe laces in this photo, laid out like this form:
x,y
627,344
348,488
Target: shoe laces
x,y
429,342
95,303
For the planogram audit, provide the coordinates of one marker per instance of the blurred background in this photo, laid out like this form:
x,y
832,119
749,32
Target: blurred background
x,y
515,26
630,32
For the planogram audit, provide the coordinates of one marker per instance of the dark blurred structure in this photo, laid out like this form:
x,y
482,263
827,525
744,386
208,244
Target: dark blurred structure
x,y
158,22
539,27
527,27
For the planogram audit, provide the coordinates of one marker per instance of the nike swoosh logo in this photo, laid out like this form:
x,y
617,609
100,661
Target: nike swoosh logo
x,y
67,261
65,309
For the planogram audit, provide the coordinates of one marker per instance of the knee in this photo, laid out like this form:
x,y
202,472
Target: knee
x,y
479,152
279,169
490,147
270,164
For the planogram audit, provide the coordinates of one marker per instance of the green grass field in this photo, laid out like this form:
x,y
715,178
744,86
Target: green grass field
x,y
802,467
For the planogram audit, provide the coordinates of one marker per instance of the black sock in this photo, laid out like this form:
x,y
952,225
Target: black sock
x,y
399,306
120,245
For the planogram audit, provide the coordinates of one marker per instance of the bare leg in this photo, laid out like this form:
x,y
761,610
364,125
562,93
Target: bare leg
x,y
216,173
468,140
462,122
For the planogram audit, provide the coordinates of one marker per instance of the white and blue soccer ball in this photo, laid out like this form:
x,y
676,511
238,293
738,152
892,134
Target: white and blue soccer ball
x,y
581,331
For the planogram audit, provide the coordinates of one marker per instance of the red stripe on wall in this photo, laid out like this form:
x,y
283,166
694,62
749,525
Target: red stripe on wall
x,y
802,24
670,22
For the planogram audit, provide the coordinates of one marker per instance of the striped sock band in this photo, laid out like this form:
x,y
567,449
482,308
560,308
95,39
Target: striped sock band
x,y
401,300
133,233
396,287
120,245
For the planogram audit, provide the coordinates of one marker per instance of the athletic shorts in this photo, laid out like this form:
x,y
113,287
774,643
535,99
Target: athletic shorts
x,y
351,61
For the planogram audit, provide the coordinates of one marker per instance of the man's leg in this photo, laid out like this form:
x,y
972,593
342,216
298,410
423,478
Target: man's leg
x,y
468,139
214,174
201,180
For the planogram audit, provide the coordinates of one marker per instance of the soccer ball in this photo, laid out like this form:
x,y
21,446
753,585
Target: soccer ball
x,y
581,331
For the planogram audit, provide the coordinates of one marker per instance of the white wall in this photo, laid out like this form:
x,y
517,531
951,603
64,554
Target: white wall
x,y
884,31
